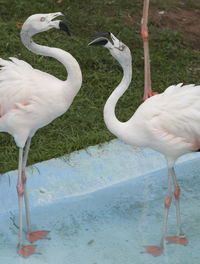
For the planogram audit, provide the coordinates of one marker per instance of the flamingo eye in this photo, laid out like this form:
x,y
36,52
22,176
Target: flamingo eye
x,y
121,47
42,19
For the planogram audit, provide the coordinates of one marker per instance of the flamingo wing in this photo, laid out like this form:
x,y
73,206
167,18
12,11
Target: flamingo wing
x,y
20,83
173,117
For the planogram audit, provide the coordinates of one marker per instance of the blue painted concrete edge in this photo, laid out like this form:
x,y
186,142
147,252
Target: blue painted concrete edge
x,y
83,172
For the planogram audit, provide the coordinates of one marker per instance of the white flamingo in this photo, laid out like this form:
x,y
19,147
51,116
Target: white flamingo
x,y
31,99
168,122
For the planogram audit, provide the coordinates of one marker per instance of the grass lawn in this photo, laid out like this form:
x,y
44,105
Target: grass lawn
x,y
173,60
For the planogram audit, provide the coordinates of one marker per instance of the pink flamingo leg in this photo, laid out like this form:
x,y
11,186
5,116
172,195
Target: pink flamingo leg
x,y
24,179
26,250
158,250
36,235
147,73
180,238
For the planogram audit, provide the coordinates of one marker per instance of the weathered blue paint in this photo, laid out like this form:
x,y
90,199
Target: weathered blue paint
x,y
102,205
82,172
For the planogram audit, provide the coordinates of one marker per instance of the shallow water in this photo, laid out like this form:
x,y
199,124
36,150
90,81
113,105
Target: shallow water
x,y
111,225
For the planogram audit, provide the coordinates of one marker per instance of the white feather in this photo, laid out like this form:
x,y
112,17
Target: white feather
x,y
30,98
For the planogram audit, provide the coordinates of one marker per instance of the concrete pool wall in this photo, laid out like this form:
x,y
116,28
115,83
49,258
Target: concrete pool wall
x,y
83,172
102,205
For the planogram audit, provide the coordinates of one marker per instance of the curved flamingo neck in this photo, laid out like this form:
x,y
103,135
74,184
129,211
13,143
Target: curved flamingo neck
x,y
113,124
70,63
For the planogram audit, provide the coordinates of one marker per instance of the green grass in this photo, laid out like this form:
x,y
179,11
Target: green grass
x,y
172,61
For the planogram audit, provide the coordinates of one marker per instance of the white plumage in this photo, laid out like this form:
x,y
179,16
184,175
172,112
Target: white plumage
x,y
31,99
168,122
171,121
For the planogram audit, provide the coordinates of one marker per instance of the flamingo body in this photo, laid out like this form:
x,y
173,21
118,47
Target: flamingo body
x,y
31,99
168,122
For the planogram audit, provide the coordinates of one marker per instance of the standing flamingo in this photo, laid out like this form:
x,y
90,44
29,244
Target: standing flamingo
x,y
31,99
168,122
145,36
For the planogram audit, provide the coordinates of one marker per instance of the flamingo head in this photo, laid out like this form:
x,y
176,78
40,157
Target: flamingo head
x,y
117,48
42,22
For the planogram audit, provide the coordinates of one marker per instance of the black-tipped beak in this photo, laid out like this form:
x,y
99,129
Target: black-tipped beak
x,y
67,18
99,42
64,27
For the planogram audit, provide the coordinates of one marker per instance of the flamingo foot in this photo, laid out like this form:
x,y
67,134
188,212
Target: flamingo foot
x,y
181,240
26,251
150,94
154,93
154,250
37,235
